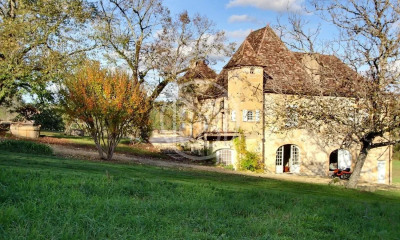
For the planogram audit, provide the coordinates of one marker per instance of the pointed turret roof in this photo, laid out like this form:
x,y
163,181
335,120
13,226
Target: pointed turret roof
x,y
199,70
245,56
263,48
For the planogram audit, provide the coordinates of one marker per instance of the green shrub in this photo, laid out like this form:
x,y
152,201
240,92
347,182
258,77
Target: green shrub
x,y
250,161
25,147
247,160
396,152
48,116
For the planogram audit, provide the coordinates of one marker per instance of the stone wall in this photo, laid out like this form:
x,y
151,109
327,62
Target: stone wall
x,y
25,130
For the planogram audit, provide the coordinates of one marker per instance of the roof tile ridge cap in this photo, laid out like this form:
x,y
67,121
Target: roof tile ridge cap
x,y
248,43
262,41
256,54
240,51
245,42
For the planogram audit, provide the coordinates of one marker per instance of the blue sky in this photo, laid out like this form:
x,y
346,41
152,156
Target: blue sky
x,y
237,21
238,17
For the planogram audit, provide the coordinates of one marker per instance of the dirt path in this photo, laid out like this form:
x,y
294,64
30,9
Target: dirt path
x,y
66,151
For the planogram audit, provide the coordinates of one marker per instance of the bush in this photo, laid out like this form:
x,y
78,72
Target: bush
x,y
250,161
396,152
247,160
49,119
25,147
47,116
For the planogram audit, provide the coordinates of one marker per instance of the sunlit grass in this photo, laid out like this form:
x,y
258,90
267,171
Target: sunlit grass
x,y
44,197
123,147
396,172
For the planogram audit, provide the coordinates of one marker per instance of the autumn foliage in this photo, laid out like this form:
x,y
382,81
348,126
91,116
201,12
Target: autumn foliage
x,y
108,102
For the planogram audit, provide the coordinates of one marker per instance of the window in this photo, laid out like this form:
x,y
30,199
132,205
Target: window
x,y
279,156
222,105
252,70
224,156
251,116
295,155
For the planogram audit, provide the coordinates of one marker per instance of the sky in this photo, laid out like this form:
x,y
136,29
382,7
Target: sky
x,y
239,17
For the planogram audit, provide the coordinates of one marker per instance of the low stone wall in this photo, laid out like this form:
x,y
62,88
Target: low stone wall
x,y
25,130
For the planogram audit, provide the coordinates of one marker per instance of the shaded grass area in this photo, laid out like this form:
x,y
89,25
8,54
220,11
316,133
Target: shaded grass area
x,y
123,147
396,172
44,197
25,147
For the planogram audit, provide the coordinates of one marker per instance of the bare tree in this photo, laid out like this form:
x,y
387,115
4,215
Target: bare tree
x,y
361,107
150,42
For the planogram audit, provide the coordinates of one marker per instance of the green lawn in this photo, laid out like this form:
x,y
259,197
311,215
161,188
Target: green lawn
x,y
123,147
54,198
396,172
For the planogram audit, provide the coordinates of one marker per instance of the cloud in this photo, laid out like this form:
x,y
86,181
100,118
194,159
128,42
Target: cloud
x,y
241,18
276,5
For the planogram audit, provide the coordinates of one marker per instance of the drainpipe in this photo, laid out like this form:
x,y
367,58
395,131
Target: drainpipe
x,y
263,119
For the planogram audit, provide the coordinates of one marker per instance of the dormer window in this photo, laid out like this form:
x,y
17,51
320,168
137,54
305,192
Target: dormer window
x,y
252,70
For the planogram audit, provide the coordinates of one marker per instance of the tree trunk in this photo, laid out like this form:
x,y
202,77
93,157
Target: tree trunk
x,y
355,176
110,151
99,150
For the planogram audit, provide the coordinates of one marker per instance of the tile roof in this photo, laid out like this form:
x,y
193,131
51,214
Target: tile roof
x,y
199,70
334,76
286,71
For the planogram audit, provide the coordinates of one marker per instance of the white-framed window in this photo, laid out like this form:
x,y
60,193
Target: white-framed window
x,y
295,155
279,156
224,156
251,115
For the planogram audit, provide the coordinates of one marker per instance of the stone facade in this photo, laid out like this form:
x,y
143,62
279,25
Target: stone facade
x,y
255,87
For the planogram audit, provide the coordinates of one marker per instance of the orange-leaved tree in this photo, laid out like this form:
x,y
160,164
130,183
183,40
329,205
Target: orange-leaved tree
x,y
108,102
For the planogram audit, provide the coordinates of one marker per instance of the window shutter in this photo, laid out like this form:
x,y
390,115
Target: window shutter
x,y
233,115
257,115
244,115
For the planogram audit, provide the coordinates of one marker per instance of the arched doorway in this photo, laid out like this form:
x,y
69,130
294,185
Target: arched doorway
x,y
287,159
340,159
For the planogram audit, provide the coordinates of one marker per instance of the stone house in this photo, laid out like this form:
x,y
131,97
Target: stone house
x,y
260,78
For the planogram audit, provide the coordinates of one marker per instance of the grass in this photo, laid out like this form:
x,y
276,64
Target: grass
x,y
25,147
45,197
396,172
123,147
